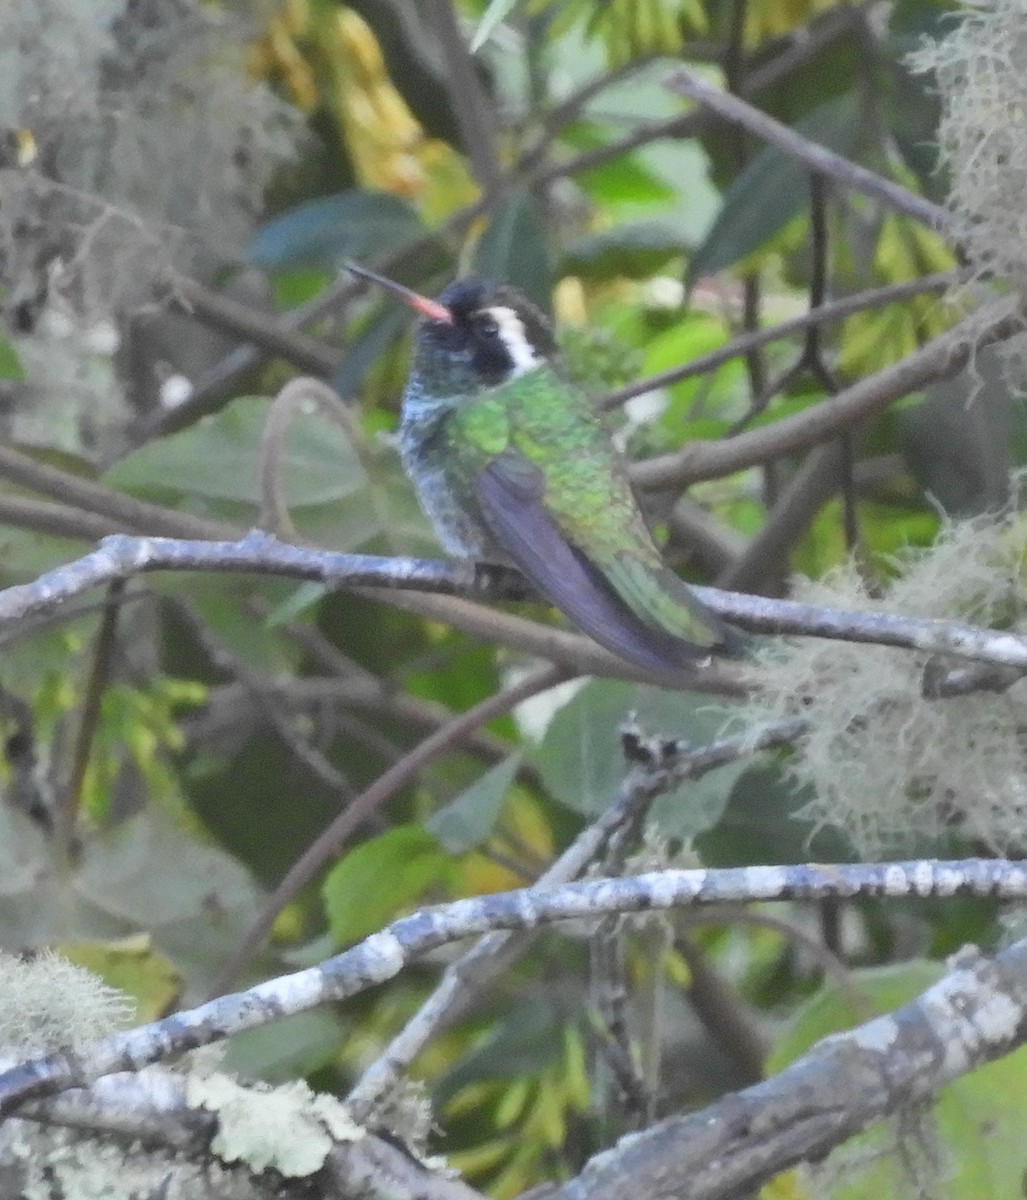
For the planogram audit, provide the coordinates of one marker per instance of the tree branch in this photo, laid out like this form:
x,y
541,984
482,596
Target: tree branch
x,y
801,49
121,557
267,330
975,1014
824,315
818,158
331,840
472,107
383,955
124,511
939,358
467,978
155,1109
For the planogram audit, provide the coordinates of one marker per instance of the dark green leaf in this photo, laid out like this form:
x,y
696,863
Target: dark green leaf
x,y
759,825
772,190
525,1042
374,339
369,886
468,820
10,363
359,223
514,248
219,457
582,764
634,251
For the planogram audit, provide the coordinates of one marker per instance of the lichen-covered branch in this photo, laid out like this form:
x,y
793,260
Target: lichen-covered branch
x,y
976,1013
383,955
195,1132
467,978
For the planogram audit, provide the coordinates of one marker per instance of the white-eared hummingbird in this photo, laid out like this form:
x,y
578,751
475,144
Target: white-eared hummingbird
x,y
512,464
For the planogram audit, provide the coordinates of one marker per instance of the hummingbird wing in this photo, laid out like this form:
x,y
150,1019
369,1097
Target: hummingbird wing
x,y
613,608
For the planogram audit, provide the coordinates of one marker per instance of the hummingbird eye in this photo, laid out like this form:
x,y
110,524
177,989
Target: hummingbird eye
x,y
487,326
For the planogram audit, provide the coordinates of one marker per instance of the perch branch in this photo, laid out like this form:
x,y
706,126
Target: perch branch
x,y
122,556
383,955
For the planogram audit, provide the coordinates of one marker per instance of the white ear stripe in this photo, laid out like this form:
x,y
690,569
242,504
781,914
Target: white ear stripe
x,y
511,329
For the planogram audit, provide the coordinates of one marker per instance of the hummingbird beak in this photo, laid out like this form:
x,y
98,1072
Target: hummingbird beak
x,y
431,309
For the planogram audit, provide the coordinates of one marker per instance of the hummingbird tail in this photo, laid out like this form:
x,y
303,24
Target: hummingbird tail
x,y
576,586
659,598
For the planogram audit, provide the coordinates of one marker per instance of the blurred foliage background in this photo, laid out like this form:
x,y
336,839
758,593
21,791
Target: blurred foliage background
x,y
180,186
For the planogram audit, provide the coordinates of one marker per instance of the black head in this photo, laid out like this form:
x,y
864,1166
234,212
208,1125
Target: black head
x,y
476,334
494,333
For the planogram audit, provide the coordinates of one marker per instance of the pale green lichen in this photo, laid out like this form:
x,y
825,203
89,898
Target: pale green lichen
x,y
49,1161
888,767
980,67
48,1003
289,1128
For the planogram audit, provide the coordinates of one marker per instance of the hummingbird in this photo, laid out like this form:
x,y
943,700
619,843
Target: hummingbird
x,y
512,464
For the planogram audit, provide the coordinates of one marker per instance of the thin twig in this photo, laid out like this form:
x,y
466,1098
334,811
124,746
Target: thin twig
x,y
466,980
56,520
354,685
264,694
212,389
267,330
89,721
806,44
939,358
891,1065
806,493
125,511
827,313
328,843
726,1016
578,654
818,158
471,105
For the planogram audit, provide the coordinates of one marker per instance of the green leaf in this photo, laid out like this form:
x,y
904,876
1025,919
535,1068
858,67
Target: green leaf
x,y
634,250
300,601
219,458
145,874
374,339
514,248
10,363
369,886
468,820
491,19
525,1042
582,765
132,965
759,825
772,190
976,1123
358,223
625,178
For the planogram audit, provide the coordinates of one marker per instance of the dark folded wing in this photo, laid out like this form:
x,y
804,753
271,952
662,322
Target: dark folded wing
x,y
509,492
